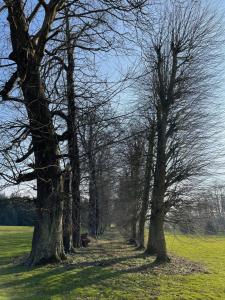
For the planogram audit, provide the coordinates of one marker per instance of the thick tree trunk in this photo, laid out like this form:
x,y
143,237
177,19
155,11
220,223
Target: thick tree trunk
x,y
160,239
47,245
147,184
152,237
156,231
157,242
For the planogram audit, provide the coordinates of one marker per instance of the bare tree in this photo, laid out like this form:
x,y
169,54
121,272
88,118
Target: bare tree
x,y
27,53
149,166
88,29
179,54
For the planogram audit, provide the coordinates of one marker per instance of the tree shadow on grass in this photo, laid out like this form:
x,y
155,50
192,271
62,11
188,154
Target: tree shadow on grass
x,y
16,269
100,268
63,280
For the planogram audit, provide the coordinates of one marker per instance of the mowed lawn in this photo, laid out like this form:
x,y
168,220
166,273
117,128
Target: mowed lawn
x,y
110,269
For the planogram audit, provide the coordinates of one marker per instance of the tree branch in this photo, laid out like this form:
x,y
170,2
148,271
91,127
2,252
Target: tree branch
x,y
26,177
25,156
8,86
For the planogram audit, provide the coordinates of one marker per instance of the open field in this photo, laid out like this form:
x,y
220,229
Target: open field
x,y
109,269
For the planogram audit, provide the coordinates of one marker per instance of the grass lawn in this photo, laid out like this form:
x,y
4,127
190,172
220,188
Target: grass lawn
x,y
109,269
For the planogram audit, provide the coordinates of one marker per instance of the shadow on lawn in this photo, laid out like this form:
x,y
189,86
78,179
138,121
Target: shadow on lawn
x,y
99,267
65,279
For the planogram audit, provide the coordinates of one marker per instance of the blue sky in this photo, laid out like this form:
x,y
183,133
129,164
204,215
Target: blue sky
x,y
114,65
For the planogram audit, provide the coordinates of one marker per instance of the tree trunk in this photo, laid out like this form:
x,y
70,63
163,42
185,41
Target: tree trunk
x,y
156,239
73,149
47,245
93,214
145,196
135,192
152,241
93,206
160,239
157,242
133,229
141,230
76,212
103,197
156,231
67,214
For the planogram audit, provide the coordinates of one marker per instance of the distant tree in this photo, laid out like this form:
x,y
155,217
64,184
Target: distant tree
x,y
17,211
130,180
206,213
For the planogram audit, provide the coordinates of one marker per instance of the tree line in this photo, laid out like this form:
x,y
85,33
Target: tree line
x,y
16,211
64,136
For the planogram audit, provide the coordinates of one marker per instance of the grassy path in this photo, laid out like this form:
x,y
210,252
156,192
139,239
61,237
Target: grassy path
x,y
110,269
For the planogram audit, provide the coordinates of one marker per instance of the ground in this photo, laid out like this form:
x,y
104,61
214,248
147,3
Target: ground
x,y
110,269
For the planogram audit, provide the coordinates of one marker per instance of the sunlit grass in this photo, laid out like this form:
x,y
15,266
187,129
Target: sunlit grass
x,y
110,270
207,250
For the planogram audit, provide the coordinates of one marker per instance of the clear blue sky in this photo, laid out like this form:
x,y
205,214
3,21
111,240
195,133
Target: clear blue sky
x,y
114,65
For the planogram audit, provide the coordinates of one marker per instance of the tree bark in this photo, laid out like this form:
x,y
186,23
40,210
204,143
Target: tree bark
x,y
146,190
156,242
151,248
134,187
134,228
67,214
156,230
93,213
47,245
73,148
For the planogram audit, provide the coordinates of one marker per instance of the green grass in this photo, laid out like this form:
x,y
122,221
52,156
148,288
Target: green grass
x,y
109,269
209,251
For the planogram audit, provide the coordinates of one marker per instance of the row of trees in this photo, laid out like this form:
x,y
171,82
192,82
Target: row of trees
x,y
52,80
63,134
16,211
206,215
179,53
